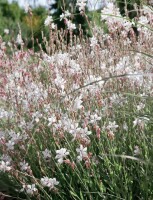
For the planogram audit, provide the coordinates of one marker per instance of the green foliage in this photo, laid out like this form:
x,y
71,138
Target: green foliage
x,y
14,18
10,15
11,11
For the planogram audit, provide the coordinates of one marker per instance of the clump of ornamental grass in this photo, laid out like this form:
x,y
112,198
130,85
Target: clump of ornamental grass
x,y
76,122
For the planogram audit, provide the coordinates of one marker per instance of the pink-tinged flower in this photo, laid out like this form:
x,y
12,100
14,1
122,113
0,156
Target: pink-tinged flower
x,y
61,154
82,153
46,154
24,166
4,166
10,145
30,189
49,182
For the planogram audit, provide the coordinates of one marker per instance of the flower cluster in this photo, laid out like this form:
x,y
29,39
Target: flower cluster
x,y
49,182
59,111
29,189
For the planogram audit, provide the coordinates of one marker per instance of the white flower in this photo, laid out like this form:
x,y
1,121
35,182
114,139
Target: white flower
x,y
81,4
24,166
4,166
51,120
49,182
61,154
60,82
48,20
36,116
6,158
140,121
147,10
3,46
125,126
108,11
65,15
137,121
82,153
46,107
127,25
143,20
30,189
74,129
2,135
77,103
140,106
15,137
78,47
26,7
19,39
94,118
93,41
6,31
10,145
53,26
4,113
136,151
46,154
62,16
84,132
112,126
70,25
9,44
